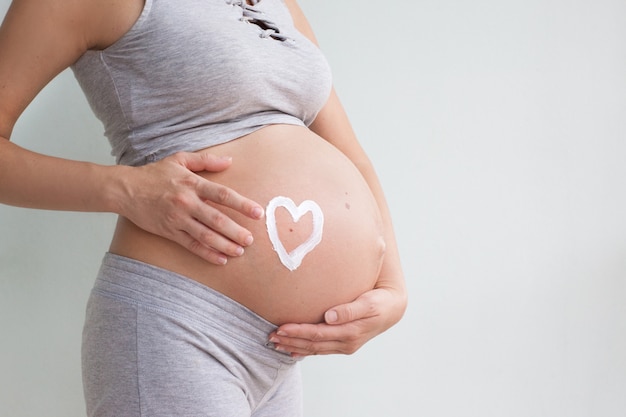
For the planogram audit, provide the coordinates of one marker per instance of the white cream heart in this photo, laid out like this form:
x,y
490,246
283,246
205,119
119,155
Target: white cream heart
x,y
293,259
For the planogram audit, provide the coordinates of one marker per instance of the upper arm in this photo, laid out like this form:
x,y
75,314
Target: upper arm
x,y
299,20
41,38
332,122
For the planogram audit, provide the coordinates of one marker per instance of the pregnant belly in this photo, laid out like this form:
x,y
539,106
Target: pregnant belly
x,y
306,257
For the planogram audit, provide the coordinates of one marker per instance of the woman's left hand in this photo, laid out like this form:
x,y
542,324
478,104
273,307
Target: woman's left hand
x,y
347,327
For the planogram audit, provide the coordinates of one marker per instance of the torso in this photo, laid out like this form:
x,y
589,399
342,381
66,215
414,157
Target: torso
x,y
293,162
278,160
160,89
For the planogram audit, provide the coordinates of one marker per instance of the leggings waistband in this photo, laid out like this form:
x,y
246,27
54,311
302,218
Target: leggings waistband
x,y
151,287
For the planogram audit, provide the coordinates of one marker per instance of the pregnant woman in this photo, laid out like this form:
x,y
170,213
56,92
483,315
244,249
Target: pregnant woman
x,y
252,228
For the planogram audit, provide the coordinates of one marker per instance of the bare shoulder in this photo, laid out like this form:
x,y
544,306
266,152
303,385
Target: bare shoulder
x,y
88,23
41,38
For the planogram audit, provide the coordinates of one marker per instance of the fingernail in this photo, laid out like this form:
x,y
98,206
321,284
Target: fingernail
x,y
226,158
331,316
222,260
274,339
257,212
239,251
281,333
248,241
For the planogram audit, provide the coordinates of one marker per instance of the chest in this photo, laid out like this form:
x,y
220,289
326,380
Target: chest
x,y
224,51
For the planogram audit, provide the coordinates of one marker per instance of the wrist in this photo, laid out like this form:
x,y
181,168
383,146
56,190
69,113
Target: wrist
x,y
393,283
116,190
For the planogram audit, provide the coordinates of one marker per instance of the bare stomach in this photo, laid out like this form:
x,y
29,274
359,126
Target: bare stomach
x,y
291,162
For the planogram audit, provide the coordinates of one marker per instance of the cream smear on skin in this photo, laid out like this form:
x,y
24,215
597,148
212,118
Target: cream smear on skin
x,y
293,259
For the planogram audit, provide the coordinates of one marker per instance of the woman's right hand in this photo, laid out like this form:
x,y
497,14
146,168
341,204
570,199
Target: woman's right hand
x,y
40,39
169,199
166,198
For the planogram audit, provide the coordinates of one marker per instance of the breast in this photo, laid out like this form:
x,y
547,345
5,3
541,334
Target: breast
x,y
320,243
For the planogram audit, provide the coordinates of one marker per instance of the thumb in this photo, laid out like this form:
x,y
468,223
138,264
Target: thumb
x,y
204,161
346,313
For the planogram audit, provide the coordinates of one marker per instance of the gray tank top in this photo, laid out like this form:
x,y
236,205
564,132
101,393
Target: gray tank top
x,y
191,74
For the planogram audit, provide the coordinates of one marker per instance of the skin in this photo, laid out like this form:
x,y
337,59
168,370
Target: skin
x,y
41,38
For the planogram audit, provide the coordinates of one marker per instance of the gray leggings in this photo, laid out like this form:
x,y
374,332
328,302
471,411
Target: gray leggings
x,y
159,344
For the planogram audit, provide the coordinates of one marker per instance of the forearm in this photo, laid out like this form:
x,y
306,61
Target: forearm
x,y
29,179
166,198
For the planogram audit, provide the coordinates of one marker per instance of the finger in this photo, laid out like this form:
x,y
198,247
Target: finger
x,y
204,252
320,348
311,332
203,161
360,308
227,197
316,342
301,347
219,233
207,161
307,337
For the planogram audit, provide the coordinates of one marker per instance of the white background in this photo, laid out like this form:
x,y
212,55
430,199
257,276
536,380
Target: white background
x,y
498,129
